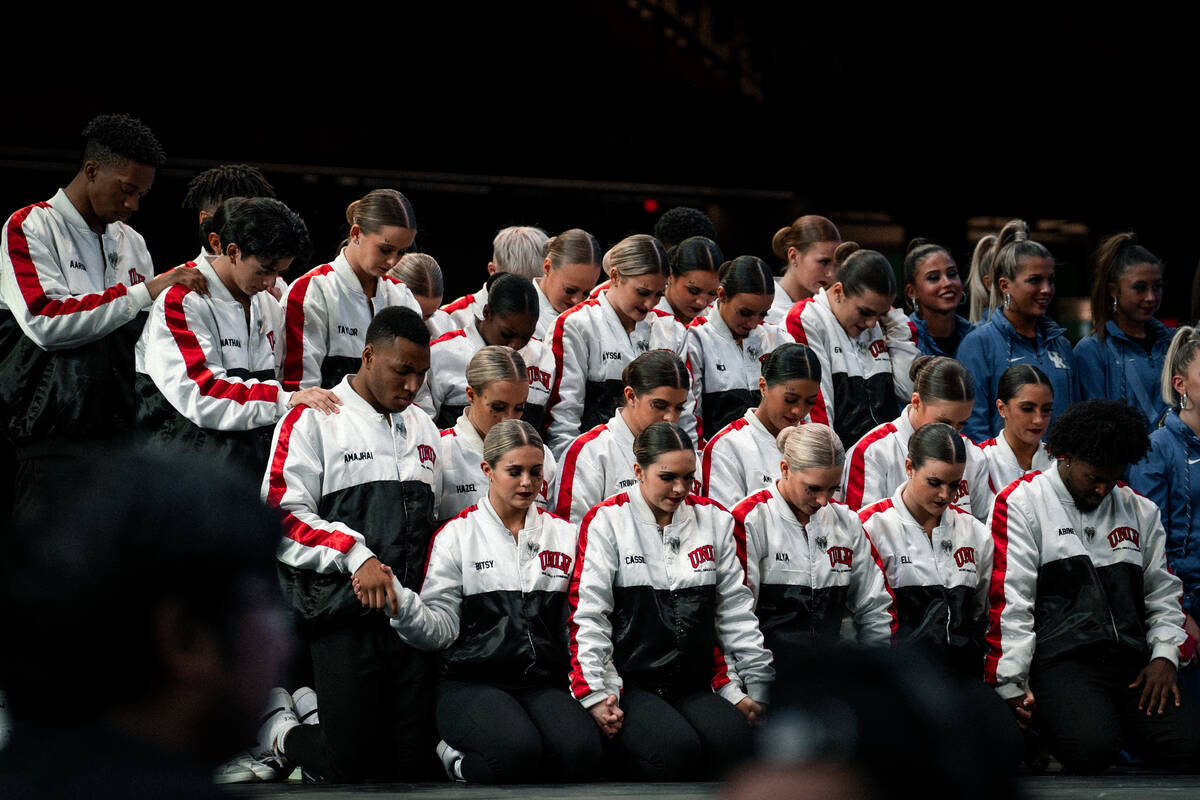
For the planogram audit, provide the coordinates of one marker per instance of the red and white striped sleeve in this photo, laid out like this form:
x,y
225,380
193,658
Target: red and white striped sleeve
x,y
1013,591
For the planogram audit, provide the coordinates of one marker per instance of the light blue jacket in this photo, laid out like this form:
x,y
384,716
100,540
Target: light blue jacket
x,y
992,348
926,343
1169,476
1119,368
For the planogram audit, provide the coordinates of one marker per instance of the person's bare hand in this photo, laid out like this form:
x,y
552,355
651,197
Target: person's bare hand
x,y
1158,683
190,277
373,587
1023,707
751,710
318,398
608,716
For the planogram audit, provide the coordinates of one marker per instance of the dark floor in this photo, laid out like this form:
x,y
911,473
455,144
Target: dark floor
x,y
1115,784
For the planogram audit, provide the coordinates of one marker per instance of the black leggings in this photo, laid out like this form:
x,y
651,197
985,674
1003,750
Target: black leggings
x,y
691,738
518,735
1088,714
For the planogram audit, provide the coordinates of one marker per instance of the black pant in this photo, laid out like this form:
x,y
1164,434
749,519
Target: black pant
x,y
690,738
376,708
518,735
1088,714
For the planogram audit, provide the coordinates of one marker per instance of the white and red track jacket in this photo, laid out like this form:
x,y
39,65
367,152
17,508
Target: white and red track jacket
x,y
1003,468
725,373
513,594
351,486
1064,580
780,306
807,577
591,349
439,323
70,303
467,308
444,394
940,579
546,314
666,610
597,465
739,461
862,379
875,467
327,314
207,362
462,470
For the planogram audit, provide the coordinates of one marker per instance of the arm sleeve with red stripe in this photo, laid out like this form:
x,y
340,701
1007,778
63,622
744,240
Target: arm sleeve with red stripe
x,y
901,338
430,621
1011,596
738,635
871,599
580,483
751,540
722,472
293,485
816,341
184,359
593,675
34,287
306,323
565,408
693,356
864,481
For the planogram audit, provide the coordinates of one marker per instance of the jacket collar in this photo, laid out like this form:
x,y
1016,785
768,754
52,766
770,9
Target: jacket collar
x,y
642,511
1178,427
1045,329
493,518
468,437
620,432
354,402
1159,333
70,214
345,272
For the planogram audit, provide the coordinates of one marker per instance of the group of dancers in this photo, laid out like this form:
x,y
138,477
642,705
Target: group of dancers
x,y
562,528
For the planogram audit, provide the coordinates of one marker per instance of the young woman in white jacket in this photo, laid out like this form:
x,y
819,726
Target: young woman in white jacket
x,y
492,603
666,653
1025,400
595,340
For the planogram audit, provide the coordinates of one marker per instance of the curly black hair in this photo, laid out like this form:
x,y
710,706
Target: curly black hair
x,y
114,139
398,322
262,227
682,223
1106,433
210,188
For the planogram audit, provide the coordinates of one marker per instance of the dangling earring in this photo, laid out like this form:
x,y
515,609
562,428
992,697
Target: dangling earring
x,y
1183,402
1114,305
1007,300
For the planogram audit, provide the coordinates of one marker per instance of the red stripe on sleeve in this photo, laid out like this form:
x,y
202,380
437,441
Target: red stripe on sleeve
x,y
556,347
458,305
794,323
856,481
579,684
720,676
293,359
197,365
895,626
432,539
36,301
565,487
706,459
995,645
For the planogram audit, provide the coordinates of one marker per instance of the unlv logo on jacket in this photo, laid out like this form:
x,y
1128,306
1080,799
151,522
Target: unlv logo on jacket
x,y
426,453
537,376
964,556
959,493
877,348
554,560
840,555
701,554
1123,535
135,278
271,339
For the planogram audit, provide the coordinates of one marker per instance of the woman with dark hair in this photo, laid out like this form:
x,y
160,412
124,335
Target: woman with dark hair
x,y
937,558
935,291
599,463
1084,556
806,248
509,318
809,563
1124,354
208,365
1025,400
942,392
743,457
726,348
864,345
327,310
594,341
503,710
665,651
692,285
1018,331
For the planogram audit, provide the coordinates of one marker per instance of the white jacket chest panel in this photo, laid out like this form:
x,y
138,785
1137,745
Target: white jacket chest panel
x,y
820,554
723,364
955,555
358,448
683,556
463,481
610,348
539,560
1109,535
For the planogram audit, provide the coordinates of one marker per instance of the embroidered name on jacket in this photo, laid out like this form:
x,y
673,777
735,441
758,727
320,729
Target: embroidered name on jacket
x,y
464,488
840,556
610,355
365,455
702,555
551,559
78,265
346,330
231,343
482,565
1123,534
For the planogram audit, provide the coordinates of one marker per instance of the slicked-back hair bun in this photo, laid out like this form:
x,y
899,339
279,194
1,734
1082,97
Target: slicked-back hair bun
x,y
811,446
657,439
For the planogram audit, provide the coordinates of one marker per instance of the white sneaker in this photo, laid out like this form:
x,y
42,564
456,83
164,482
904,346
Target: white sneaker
x,y
244,768
305,701
277,720
451,760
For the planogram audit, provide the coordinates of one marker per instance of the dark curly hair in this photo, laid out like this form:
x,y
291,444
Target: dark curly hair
x,y
682,223
114,139
262,227
214,186
1106,433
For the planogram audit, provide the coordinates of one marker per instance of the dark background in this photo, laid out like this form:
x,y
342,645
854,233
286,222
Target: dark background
x,y
593,114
